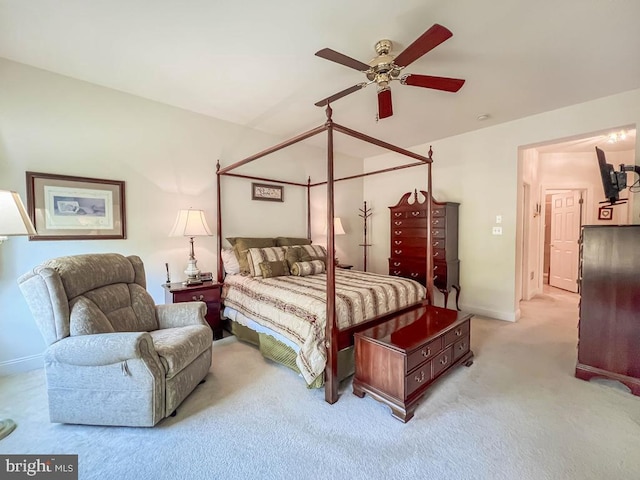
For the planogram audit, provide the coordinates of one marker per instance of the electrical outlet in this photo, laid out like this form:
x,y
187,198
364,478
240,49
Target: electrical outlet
x,y
498,218
497,230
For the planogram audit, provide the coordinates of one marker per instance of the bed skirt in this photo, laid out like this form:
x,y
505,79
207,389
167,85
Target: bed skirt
x,y
278,352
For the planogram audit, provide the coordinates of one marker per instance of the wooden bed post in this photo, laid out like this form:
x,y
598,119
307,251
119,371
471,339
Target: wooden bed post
x,y
219,225
429,199
331,371
309,208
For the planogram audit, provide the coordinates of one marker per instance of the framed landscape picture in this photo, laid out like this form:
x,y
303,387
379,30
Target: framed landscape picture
x,y
263,191
62,207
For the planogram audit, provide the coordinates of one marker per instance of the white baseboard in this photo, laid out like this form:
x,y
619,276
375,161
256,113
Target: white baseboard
x,y
19,365
484,312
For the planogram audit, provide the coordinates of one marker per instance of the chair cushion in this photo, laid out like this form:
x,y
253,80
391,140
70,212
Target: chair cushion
x,y
178,347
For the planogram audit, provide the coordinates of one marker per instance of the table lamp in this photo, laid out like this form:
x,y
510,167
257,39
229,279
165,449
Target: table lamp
x,y
13,221
191,223
338,229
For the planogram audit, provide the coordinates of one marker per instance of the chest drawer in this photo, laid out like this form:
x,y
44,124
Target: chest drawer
x,y
408,242
442,361
457,334
402,251
423,353
401,232
408,222
421,376
460,348
210,295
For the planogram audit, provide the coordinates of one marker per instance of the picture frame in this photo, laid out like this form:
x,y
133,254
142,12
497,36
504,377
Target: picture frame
x,y
64,207
605,213
267,192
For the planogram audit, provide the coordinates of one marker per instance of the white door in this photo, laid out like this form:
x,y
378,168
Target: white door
x,y
565,233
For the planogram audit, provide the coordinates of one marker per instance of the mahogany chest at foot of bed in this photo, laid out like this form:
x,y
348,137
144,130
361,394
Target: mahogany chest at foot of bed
x,y
397,361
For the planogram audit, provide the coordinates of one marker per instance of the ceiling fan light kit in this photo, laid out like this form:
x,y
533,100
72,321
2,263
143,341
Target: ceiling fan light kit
x,y
385,68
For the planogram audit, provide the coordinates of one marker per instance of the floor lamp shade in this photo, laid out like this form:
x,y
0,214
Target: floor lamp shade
x,y
191,223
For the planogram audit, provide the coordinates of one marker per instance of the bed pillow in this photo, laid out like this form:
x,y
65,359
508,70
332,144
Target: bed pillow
x,y
302,269
255,256
241,245
315,252
279,268
296,254
230,261
289,241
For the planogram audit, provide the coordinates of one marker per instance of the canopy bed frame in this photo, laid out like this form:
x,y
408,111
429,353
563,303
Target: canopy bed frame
x,y
335,338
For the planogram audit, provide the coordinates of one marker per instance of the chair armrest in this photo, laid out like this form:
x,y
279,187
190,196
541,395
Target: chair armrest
x,y
181,314
102,349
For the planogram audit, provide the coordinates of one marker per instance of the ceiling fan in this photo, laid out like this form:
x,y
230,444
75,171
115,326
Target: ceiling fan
x,y
387,67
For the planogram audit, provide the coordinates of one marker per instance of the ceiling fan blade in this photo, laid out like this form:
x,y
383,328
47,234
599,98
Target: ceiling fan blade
x,y
427,41
385,107
341,94
342,59
437,83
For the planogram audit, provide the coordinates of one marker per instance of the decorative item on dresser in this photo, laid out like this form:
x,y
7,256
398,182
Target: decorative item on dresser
x,y
408,242
608,329
207,292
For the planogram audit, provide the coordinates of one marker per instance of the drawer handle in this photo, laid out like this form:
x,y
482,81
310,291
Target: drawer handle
x,y
397,242
436,254
435,268
458,332
397,232
444,360
415,214
398,223
396,272
420,378
199,299
435,244
435,222
426,353
397,264
414,275
397,252
398,214
462,346
434,277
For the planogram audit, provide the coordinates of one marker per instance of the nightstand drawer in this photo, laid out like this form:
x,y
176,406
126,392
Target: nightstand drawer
x,y
208,295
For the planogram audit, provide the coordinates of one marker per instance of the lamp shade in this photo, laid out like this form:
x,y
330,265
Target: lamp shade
x,y
13,216
337,227
190,223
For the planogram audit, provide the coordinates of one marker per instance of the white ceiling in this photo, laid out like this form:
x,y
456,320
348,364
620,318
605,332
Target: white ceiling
x,y
253,63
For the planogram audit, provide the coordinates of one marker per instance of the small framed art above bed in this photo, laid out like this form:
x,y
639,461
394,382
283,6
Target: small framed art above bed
x,y
288,293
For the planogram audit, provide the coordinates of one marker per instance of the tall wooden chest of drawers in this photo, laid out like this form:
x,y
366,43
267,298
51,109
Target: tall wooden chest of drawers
x,y
408,249
609,325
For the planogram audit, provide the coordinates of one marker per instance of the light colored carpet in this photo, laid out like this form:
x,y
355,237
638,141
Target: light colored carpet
x,y
517,413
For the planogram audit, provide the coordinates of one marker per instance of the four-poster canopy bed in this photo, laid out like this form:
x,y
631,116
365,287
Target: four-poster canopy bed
x,y
338,337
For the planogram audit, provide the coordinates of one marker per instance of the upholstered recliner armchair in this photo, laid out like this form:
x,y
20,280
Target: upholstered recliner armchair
x,y
113,356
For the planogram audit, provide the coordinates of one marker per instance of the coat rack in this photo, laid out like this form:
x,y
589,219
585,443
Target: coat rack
x,y
365,213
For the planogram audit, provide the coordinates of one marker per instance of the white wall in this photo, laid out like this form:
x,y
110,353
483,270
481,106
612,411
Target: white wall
x,y
480,170
166,156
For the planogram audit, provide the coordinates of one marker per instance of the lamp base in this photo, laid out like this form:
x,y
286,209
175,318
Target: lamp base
x,y
192,272
6,427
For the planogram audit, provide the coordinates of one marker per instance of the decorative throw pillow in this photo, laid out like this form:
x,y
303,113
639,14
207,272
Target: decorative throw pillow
x,y
296,254
302,269
315,252
230,261
289,241
274,269
255,256
241,245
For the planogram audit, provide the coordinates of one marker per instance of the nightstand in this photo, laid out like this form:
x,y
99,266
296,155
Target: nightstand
x,y
208,292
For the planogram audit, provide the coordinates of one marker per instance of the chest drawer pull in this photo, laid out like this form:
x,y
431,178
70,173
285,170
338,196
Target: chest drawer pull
x,y
444,360
398,214
420,378
398,232
462,346
436,254
397,272
414,275
398,223
426,353
435,244
397,242
397,264
458,332
435,268
415,214
397,252
435,222
199,299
